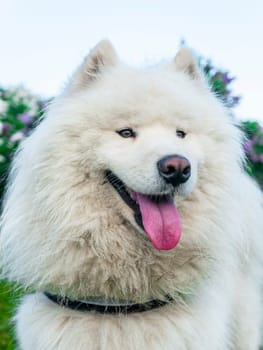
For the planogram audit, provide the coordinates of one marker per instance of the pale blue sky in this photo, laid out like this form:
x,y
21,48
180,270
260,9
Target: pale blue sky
x,y
43,41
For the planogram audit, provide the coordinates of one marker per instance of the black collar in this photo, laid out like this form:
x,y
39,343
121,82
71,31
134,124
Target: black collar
x,y
104,308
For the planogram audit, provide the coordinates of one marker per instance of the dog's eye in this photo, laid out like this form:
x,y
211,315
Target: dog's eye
x,y
180,133
127,132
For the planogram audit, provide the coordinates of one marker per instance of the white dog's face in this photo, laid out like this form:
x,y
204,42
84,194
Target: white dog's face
x,y
147,166
126,164
154,160
143,132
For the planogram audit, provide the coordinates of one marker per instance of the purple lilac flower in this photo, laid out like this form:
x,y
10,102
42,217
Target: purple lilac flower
x,y
25,118
18,136
3,106
248,146
6,128
254,157
226,79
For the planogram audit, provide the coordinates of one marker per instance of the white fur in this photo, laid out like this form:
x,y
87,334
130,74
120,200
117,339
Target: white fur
x,y
67,231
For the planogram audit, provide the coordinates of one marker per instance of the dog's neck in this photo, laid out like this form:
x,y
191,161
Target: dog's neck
x,y
107,306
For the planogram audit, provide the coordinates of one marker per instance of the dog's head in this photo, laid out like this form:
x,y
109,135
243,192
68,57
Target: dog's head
x,y
120,169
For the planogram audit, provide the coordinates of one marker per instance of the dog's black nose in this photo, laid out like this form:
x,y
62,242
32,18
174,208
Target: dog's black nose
x,y
174,169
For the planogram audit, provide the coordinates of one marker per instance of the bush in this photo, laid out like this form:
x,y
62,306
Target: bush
x,y
254,149
19,111
220,82
8,298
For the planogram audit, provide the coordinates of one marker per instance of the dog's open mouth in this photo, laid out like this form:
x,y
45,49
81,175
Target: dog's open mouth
x,y
156,215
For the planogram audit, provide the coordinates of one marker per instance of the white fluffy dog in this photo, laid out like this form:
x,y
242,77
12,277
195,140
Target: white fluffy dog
x,y
129,213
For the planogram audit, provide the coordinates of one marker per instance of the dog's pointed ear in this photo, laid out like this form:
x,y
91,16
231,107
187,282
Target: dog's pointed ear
x,y
102,56
186,62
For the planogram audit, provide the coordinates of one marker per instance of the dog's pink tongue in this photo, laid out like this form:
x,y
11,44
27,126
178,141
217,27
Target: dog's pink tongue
x,y
161,221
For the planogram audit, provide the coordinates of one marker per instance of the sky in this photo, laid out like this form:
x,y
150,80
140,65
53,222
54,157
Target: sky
x,y
42,42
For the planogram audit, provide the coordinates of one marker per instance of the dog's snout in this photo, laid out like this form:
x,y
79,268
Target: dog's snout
x,y
174,169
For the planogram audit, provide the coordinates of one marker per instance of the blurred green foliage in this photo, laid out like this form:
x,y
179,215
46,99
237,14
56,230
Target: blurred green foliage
x,y
254,149
220,82
8,300
19,111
